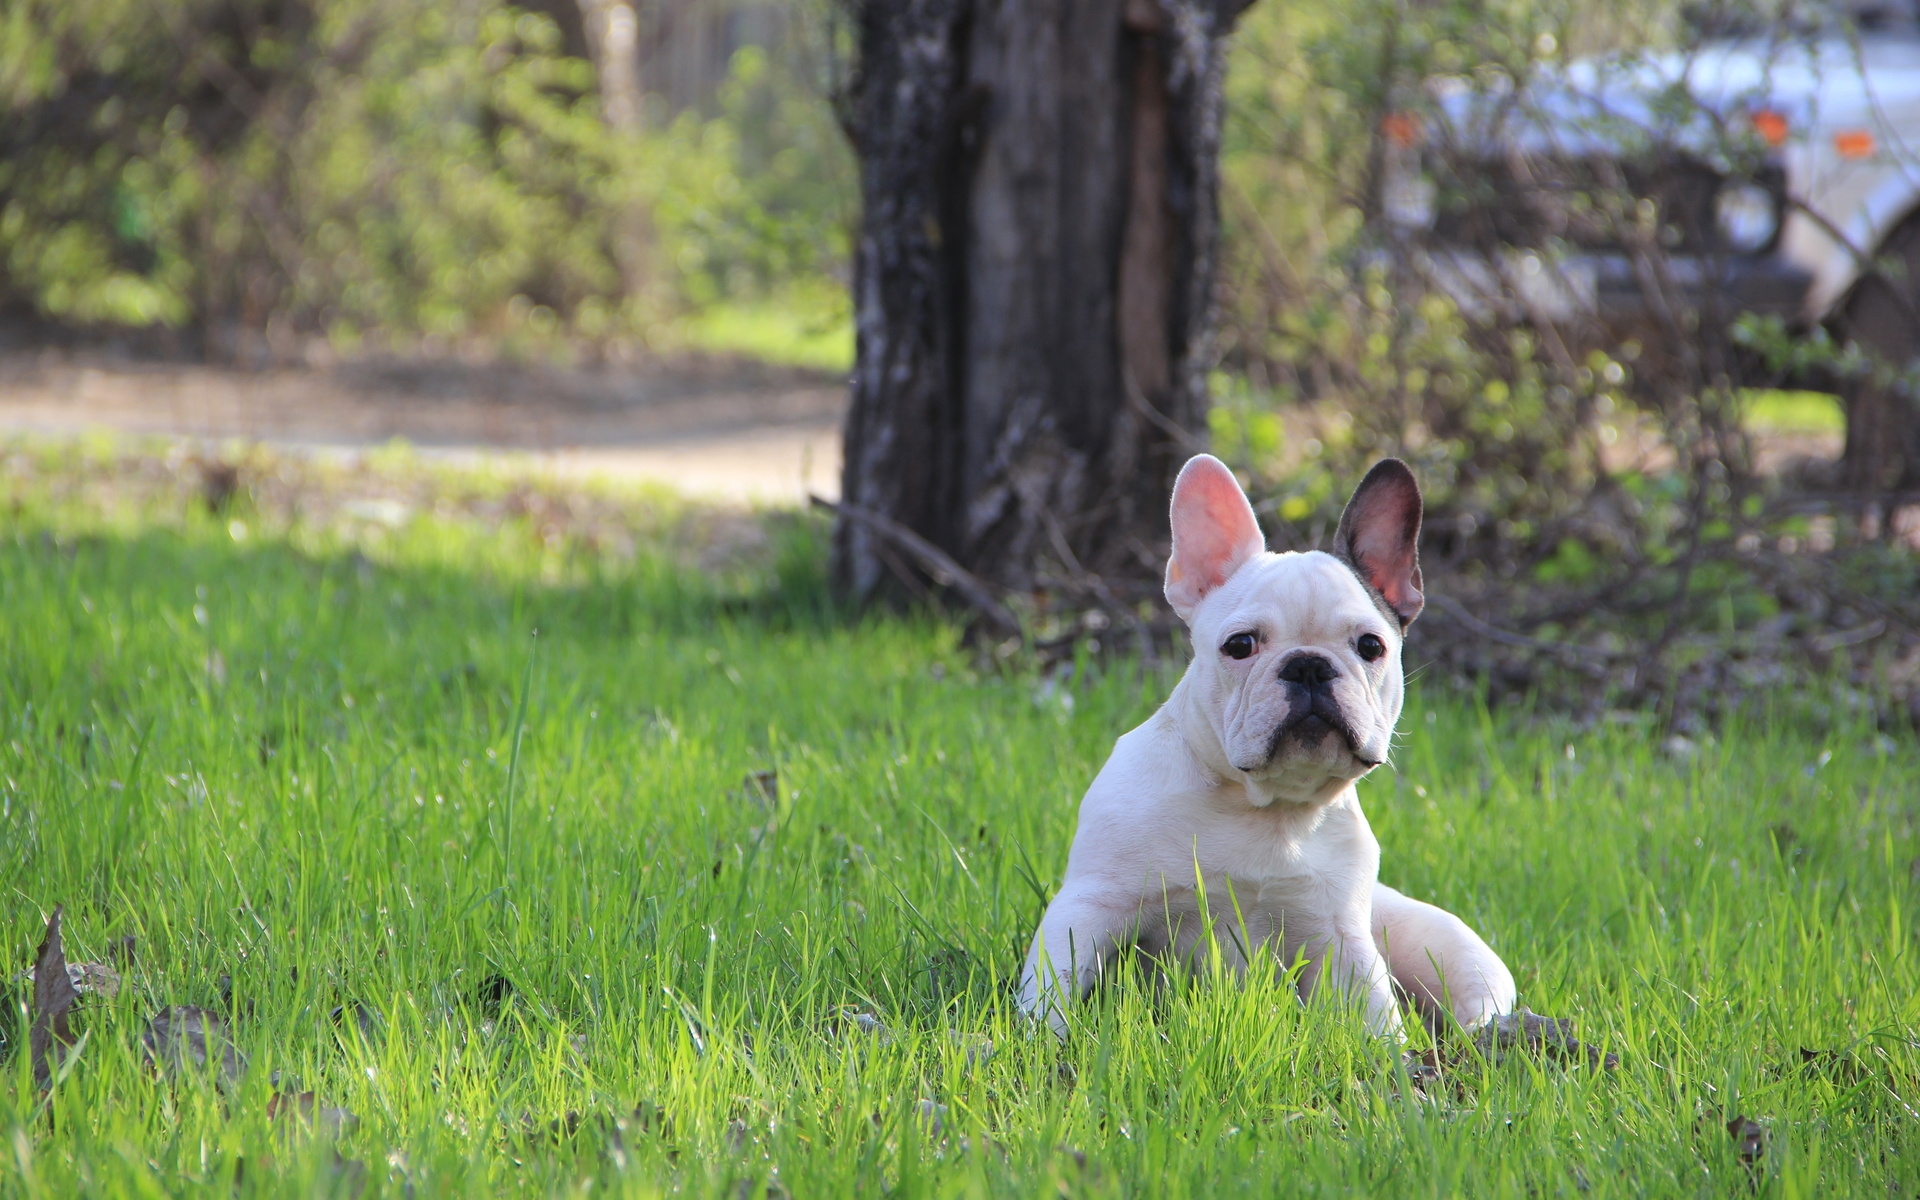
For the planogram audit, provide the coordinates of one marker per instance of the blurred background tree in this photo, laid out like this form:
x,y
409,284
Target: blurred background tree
x,y
1039,186
256,173
263,181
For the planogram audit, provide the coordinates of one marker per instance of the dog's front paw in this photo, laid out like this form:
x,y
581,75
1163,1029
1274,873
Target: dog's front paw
x,y
1384,1020
1046,992
1045,1010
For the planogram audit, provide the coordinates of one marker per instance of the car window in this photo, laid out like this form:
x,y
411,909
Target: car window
x,y
1720,19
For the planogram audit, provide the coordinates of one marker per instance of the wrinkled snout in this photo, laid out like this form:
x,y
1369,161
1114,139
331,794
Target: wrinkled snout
x,y
1311,684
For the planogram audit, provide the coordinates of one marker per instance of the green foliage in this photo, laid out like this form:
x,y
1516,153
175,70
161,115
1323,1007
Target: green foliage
x,y
401,168
1793,412
1319,309
349,165
756,208
802,325
287,758
1572,562
761,196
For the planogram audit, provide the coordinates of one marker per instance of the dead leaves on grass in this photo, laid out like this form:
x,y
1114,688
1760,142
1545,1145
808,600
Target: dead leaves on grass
x,y
1865,1062
54,995
1524,1033
180,1041
1749,1140
1537,1036
759,792
89,979
1518,1033
58,987
357,1016
646,1118
184,1039
305,1109
617,1132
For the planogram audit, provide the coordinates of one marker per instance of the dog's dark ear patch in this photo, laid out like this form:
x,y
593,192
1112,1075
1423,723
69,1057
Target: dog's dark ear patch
x,y
1379,537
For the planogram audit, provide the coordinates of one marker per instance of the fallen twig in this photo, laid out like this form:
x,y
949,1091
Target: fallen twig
x,y
935,561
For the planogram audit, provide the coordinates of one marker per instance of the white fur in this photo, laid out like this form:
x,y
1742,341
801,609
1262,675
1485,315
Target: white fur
x,y
1204,794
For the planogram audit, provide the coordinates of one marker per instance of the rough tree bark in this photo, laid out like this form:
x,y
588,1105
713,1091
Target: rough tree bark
x,y
1032,279
1882,452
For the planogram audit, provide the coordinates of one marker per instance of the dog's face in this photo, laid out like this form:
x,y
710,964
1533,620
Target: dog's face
x,y
1296,670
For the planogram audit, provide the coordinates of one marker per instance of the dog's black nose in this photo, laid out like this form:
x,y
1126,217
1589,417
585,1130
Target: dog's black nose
x,y
1308,670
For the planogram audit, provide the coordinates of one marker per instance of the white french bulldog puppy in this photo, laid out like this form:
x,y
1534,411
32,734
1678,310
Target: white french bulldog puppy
x,y
1243,781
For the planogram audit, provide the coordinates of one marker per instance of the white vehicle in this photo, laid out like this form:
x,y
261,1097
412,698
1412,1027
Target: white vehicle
x,y
1771,171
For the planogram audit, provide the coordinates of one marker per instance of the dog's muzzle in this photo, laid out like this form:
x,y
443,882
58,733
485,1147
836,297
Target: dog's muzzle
x,y
1312,711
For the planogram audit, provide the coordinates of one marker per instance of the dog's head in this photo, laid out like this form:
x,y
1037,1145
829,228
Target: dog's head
x,y
1296,657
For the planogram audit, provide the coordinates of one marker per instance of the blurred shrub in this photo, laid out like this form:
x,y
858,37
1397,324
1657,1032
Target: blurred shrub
x,y
1320,314
762,198
1331,313
269,169
1597,522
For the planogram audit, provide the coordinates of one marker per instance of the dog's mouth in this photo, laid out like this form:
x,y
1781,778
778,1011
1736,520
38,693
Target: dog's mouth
x,y
1313,723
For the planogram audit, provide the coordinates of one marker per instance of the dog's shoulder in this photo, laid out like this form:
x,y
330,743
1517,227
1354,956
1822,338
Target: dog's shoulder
x,y
1154,758
1145,792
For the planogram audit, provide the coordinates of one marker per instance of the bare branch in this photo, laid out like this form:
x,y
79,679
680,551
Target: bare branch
x,y
933,560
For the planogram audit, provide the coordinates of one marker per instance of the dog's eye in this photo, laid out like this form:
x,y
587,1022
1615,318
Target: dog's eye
x,y
1370,646
1240,645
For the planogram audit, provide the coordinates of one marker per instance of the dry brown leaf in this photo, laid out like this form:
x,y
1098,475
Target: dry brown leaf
x,y
1534,1034
356,1015
1749,1139
95,978
182,1038
305,1108
53,998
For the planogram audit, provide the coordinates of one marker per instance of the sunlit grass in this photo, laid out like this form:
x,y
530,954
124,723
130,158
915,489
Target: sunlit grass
x,y
789,334
335,764
1774,411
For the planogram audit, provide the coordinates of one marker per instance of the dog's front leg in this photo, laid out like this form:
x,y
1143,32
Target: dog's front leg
x,y
1370,971
1078,936
1448,970
1349,960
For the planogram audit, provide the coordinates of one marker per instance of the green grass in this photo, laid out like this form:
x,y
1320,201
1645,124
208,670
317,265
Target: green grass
x,y
331,761
819,336
1774,411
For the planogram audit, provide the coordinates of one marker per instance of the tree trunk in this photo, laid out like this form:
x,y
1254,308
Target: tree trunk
x,y
1032,279
613,36
1882,452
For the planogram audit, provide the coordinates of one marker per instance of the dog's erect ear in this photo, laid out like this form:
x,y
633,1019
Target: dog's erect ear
x,y
1214,532
1379,536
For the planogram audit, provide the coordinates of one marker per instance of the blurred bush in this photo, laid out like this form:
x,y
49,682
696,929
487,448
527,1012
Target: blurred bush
x,y
261,171
1598,525
762,199
1319,316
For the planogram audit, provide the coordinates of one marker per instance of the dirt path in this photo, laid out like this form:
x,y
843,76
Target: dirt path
x,y
722,430
725,431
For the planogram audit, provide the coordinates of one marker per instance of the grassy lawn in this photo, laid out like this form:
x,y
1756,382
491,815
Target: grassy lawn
x,y
796,334
518,907
1774,411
